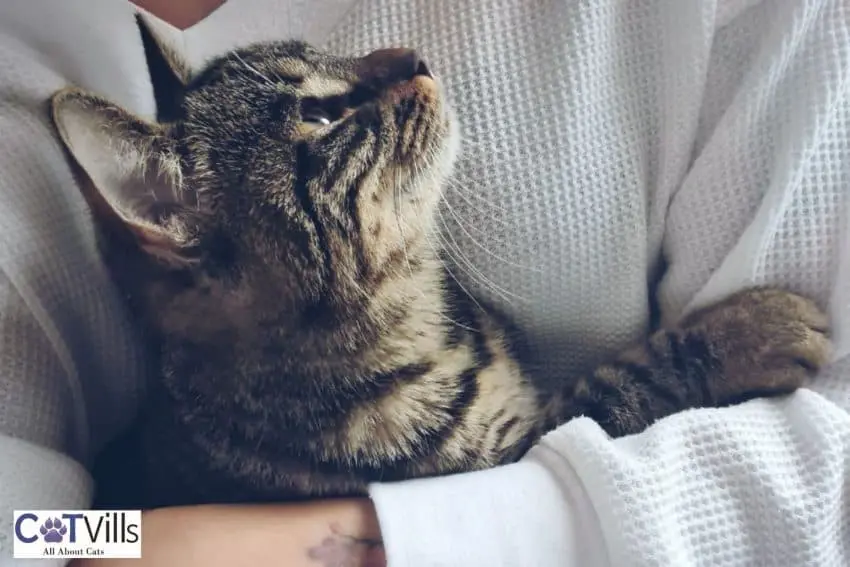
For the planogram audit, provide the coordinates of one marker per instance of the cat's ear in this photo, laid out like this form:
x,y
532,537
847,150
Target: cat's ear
x,y
130,174
168,71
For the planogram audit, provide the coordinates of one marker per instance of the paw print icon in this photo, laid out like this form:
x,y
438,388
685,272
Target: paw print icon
x,y
53,530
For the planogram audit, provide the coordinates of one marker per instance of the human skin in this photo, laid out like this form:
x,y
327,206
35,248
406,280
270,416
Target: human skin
x,y
182,14
331,533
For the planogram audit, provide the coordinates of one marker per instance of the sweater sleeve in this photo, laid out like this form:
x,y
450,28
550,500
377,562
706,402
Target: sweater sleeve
x,y
760,484
764,200
71,372
37,419
34,477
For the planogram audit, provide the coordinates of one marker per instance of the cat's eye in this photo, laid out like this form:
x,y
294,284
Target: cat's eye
x,y
316,117
315,113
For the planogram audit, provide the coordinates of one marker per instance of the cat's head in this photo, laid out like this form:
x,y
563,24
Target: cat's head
x,y
277,177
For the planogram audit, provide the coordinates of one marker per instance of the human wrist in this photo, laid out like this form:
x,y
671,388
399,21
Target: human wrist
x,y
313,534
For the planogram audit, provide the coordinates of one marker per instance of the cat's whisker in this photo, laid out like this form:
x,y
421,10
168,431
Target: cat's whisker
x,y
471,224
476,229
455,184
459,221
460,224
472,205
484,206
440,314
399,223
454,250
460,174
252,69
473,271
470,142
458,262
444,245
457,281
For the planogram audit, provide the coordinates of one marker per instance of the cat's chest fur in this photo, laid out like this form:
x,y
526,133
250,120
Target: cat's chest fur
x,y
430,395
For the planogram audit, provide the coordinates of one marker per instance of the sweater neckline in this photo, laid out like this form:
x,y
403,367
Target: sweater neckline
x,y
199,25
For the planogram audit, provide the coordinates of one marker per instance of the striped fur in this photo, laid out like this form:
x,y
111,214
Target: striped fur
x,y
307,337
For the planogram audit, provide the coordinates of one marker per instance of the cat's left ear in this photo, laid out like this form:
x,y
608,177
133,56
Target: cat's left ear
x,y
131,174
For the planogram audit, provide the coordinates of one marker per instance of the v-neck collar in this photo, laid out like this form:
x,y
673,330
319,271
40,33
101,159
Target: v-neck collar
x,y
246,21
174,30
184,39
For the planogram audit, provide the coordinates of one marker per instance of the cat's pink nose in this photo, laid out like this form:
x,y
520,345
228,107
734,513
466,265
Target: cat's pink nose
x,y
386,67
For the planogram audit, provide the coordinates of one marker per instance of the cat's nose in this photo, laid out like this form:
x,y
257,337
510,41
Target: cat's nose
x,y
394,65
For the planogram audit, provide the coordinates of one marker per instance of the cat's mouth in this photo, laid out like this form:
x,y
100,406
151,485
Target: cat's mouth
x,y
412,94
422,87
422,122
427,141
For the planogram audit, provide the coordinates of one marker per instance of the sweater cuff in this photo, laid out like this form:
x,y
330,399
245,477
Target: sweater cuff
x,y
33,478
534,512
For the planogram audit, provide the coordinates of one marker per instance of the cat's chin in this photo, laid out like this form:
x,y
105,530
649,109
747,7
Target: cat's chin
x,y
434,164
436,155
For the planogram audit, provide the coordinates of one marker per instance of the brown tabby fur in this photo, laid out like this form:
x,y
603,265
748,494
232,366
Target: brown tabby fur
x,y
307,337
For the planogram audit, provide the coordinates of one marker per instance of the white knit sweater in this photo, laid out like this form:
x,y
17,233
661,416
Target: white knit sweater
x,y
599,136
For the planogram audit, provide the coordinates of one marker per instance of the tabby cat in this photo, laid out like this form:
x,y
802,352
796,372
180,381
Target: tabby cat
x,y
270,233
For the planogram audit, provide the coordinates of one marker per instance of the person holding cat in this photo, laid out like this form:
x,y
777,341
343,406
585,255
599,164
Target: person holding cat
x,y
602,140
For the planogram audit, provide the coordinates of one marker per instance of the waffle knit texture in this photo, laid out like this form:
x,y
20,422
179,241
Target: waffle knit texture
x,y
599,137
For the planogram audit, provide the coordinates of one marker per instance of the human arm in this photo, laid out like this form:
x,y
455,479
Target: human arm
x,y
332,533
345,532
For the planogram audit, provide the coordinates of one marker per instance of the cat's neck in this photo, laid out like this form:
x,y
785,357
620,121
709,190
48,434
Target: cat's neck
x,y
396,319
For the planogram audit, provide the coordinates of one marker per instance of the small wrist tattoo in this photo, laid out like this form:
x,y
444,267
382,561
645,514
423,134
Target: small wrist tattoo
x,y
341,550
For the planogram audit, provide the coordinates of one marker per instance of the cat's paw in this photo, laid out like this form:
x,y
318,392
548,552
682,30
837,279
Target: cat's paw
x,y
767,341
53,530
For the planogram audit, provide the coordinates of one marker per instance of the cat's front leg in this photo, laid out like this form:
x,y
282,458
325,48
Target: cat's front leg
x,y
758,342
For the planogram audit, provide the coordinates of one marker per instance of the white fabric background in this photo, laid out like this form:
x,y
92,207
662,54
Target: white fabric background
x,y
599,136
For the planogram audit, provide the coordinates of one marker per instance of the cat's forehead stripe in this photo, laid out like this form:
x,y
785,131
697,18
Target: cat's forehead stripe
x,y
311,81
292,67
319,86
